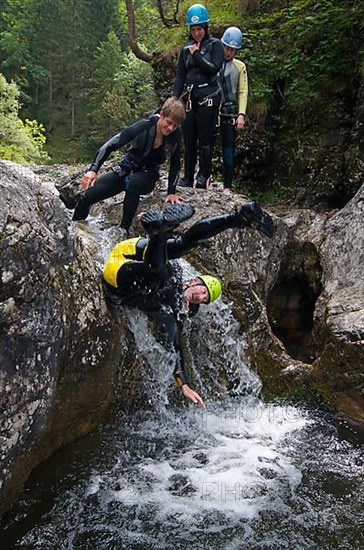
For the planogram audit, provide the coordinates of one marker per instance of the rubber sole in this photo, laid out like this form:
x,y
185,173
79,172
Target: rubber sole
x,y
167,219
254,216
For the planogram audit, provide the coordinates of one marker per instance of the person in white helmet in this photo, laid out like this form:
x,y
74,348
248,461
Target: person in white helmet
x,y
234,96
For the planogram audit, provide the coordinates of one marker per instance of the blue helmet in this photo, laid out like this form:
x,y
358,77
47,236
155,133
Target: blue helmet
x,y
233,38
197,15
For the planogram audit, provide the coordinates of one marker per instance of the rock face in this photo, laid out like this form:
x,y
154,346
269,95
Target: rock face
x,y
58,344
299,298
64,354
339,322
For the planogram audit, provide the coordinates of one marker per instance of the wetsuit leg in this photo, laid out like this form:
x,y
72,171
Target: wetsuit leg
x,y
138,183
106,186
200,231
189,130
206,118
228,138
155,255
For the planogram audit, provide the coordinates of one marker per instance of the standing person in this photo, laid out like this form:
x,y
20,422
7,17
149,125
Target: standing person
x,y
150,141
196,82
234,97
138,271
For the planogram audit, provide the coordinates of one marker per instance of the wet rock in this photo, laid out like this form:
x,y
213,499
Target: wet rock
x,y
339,322
201,457
58,343
181,486
65,354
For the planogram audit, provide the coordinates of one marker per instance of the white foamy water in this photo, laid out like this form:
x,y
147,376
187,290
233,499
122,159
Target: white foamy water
x,y
235,465
239,475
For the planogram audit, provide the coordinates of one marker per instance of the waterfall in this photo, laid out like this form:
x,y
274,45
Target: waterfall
x,y
240,474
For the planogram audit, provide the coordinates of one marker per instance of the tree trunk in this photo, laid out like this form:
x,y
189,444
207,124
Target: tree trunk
x,y
137,51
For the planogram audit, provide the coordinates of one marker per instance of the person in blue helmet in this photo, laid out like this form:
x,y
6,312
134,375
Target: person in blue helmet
x,y
196,82
140,272
234,96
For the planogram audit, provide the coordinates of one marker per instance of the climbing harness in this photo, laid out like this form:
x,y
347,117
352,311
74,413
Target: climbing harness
x,y
187,92
209,99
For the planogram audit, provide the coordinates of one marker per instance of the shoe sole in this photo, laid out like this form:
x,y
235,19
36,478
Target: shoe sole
x,y
167,219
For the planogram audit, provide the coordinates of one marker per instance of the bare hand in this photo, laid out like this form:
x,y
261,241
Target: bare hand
x,y
240,122
88,179
193,395
173,198
194,48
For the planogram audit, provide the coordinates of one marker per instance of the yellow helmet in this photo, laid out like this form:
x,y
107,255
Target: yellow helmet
x,y
213,285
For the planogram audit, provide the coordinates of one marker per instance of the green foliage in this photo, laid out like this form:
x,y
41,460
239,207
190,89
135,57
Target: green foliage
x,y
276,192
133,94
122,88
305,51
20,142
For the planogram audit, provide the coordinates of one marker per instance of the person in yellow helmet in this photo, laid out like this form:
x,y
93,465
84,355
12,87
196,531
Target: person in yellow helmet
x,y
140,271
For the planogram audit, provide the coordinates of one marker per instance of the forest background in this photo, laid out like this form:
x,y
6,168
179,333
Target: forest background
x,y
69,80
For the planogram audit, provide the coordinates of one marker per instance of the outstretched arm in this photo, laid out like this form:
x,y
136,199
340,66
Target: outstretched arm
x,y
169,325
118,141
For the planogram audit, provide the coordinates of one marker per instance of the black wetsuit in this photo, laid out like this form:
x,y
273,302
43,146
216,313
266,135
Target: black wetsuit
x,y
196,83
137,173
143,277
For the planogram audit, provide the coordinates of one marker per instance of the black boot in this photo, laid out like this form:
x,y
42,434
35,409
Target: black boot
x,y
252,215
164,221
82,209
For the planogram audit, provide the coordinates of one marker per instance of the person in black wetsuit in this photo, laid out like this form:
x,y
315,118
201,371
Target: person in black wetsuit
x,y
150,141
139,272
196,83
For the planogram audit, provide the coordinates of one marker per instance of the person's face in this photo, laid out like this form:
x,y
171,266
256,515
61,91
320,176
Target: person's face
x,y
167,125
229,52
197,33
196,293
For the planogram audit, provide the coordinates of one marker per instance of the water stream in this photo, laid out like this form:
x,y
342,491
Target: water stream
x,y
241,474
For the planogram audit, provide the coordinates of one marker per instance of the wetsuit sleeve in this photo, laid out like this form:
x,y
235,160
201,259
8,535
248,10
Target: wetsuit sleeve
x,y
174,168
116,142
172,332
179,371
180,78
217,58
243,89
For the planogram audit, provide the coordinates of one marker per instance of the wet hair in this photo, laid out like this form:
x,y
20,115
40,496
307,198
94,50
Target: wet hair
x,y
174,109
205,27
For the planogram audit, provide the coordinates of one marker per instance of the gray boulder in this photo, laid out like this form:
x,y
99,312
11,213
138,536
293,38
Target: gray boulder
x,y
59,346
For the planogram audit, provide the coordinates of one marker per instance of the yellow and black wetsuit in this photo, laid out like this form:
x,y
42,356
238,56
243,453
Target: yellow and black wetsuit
x,y
141,273
234,96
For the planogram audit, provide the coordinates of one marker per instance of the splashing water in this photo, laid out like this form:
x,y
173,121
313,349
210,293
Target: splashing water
x,y
239,475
